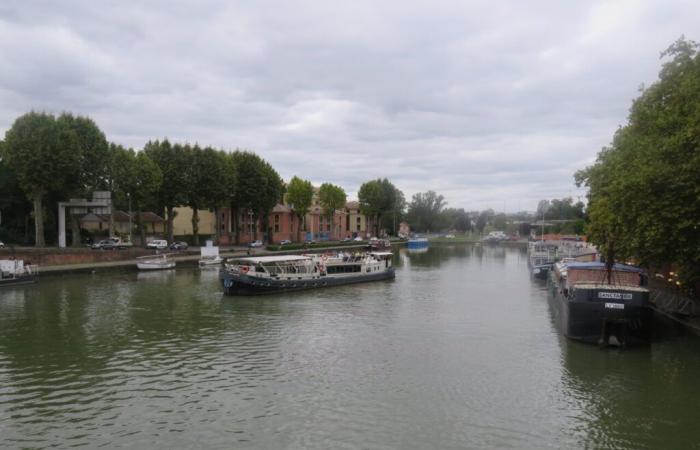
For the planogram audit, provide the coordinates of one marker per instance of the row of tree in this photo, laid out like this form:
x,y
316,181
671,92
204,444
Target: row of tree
x,y
45,159
644,189
51,159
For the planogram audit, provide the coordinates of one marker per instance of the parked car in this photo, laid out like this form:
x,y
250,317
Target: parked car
x,y
309,242
104,244
179,245
358,239
285,242
158,244
449,236
255,244
2,244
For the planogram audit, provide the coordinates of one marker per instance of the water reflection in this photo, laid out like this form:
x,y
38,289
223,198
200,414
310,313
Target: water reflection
x,y
459,351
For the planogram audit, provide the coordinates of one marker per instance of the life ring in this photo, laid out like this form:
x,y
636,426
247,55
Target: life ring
x,y
244,269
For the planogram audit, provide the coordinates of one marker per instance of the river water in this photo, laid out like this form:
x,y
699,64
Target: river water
x,y
459,351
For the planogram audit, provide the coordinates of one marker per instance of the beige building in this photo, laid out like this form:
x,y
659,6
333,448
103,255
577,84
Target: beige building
x,y
356,224
182,223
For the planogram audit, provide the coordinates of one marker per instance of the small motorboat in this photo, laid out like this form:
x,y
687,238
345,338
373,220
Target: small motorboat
x,y
155,262
209,256
210,262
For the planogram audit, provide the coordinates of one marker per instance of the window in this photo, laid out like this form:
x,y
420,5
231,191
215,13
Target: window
x,y
347,222
277,223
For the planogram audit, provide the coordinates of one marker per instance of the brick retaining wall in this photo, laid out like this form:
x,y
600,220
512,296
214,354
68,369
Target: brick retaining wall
x,y
57,257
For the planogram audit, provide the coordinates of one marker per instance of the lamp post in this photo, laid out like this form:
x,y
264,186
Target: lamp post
x,y
250,213
128,195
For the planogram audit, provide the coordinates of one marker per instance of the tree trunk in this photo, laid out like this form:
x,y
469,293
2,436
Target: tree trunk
x,y
195,225
38,222
171,212
141,228
75,230
236,226
111,221
217,225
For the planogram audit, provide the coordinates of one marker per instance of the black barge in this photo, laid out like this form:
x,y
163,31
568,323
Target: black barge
x,y
594,305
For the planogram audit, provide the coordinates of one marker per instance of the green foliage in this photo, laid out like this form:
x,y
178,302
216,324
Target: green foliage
x,y
381,201
41,153
258,186
424,211
173,162
299,196
644,189
14,207
93,151
332,198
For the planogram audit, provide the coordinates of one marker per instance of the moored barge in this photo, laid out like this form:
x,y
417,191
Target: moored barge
x,y
601,305
273,274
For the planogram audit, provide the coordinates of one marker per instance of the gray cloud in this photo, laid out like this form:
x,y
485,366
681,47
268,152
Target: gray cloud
x,y
492,104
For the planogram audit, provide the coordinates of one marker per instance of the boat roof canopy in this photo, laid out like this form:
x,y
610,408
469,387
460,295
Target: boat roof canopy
x,y
382,254
601,266
271,259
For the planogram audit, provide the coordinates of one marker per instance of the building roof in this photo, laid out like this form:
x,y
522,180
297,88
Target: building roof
x,y
280,208
352,205
90,217
148,216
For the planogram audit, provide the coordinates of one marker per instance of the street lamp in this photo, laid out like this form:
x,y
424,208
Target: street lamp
x,y
250,213
128,195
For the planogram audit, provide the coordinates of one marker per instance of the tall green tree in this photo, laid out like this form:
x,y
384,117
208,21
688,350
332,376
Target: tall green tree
x,y
135,176
258,187
381,201
300,194
42,154
93,151
424,211
173,162
15,209
332,198
644,188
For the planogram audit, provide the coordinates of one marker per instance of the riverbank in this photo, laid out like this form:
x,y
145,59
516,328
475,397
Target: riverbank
x,y
60,261
57,261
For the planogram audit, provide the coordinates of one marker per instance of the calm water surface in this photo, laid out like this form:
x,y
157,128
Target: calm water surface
x,y
458,352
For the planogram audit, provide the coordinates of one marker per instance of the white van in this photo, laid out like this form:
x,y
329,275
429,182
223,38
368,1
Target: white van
x,y
158,244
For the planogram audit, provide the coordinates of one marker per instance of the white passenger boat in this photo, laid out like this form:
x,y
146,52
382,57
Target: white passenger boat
x,y
270,274
15,271
155,262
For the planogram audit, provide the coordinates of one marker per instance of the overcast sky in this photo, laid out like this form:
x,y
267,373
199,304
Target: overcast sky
x,y
492,104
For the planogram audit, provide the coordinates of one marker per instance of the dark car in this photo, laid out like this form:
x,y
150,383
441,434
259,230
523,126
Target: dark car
x,y
104,244
179,245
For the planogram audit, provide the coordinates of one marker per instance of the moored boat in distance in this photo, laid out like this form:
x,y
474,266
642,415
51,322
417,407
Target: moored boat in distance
x,y
209,257
600,306
15,271
271,274
417,242
541,256
155,262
